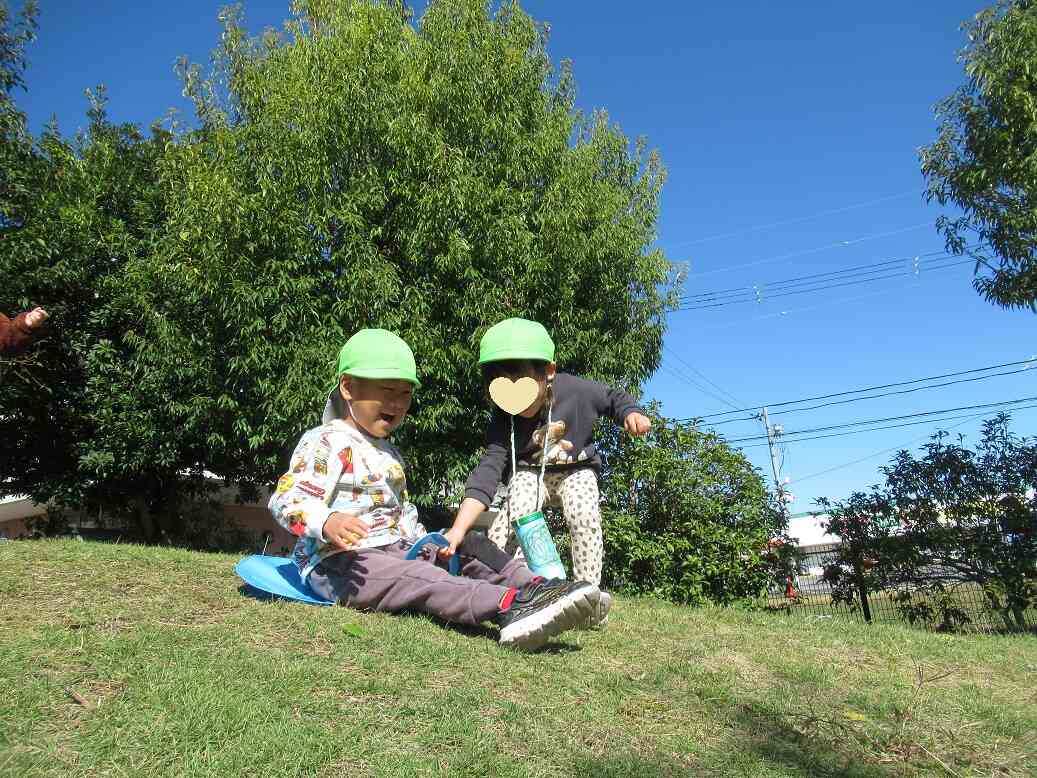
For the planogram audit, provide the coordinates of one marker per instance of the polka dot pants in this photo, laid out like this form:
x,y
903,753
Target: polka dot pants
x,y
576,492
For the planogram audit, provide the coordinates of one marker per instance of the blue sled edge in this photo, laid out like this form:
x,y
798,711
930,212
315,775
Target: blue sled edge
x,y
279,576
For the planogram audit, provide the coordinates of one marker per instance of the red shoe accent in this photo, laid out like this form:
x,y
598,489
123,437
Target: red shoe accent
x,y
507,598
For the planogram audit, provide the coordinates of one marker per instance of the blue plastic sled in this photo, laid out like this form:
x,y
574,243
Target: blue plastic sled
x,y
279,576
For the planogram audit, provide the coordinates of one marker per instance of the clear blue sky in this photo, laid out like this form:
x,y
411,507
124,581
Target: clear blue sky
x,y
790,132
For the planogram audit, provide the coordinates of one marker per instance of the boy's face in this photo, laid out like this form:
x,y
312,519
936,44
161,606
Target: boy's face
x,y
526,370
378,404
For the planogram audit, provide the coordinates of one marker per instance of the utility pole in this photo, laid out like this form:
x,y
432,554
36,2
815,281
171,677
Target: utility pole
x,y
792,563
772,433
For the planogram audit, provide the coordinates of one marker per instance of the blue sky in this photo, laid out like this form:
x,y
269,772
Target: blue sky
x,y
790,133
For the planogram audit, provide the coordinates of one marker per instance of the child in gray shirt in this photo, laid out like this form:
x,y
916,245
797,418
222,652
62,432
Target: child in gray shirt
x,y
543,422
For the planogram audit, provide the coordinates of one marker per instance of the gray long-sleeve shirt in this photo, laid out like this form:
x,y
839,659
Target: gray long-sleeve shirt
x,y
578,403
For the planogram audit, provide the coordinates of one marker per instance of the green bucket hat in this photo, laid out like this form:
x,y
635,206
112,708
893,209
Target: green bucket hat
x,y
373,353
516,339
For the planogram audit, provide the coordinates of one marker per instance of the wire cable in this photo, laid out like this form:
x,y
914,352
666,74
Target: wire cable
x,y
884,394
854,270
690,381
803,252
877,429
1029,361
795,220
699,373
824,288
742,322
892,448
785,435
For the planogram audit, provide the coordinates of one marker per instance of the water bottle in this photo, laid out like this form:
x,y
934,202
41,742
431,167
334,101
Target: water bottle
x,y
537,545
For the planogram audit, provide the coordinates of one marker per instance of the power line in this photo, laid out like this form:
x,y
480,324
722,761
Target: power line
x,y
691,381
884,394
845,425
720,294
741,322
816,249
795,220
877,429
847,272
892,448
759,298
1029,361
702,375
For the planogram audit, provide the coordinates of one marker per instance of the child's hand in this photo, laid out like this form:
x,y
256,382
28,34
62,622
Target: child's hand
x,y
456,537
637,424
344,530
35,318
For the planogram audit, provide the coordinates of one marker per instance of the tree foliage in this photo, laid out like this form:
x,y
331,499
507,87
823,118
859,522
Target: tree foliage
x,y
984,159
15,142
356,169
686,517
359,171
952,518
83,210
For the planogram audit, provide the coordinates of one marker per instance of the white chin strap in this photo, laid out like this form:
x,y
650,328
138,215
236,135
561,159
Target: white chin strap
x,y
543,456
330,414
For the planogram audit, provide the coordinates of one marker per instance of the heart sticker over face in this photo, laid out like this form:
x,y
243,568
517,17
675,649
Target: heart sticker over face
x,y
514,396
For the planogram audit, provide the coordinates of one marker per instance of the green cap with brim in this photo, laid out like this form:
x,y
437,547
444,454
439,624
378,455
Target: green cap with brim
x,y
516,339
373,353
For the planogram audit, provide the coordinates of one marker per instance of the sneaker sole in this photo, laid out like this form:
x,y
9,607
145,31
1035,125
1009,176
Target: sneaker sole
x,y
535,630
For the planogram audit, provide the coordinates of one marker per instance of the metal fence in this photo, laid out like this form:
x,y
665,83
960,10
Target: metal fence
x,y
805,590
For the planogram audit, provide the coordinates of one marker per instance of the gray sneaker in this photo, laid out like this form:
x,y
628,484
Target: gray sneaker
x,y
599,619
544,609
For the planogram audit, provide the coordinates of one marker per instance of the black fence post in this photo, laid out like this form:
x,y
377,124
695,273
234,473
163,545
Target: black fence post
x,y
858,571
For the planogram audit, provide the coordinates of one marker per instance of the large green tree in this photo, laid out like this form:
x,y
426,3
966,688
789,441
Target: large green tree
x,y
984,159
361,169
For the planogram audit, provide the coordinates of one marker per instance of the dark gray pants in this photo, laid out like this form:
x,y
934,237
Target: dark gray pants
x,y
380,579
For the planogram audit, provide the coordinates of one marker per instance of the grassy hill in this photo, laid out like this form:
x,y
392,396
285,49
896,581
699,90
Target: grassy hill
x,y
127,660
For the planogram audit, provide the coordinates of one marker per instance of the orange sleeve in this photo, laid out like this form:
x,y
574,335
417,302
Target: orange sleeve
x,y
15,335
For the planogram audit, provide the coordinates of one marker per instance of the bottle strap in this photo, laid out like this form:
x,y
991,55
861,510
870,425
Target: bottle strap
x,y
543,456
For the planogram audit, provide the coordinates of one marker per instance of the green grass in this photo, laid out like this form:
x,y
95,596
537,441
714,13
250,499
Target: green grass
x,y
126,660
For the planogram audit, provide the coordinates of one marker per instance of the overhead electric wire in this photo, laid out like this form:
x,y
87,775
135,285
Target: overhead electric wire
x,y
877,429
699,373
719,294
847,272
786,403
828,303
794,220
825,287
803,252
884,394
692,382
828,428
899,447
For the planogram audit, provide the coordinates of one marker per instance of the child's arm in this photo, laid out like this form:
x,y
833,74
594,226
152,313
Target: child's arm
x,y
469,511
480,486
622,409
17,333
300,502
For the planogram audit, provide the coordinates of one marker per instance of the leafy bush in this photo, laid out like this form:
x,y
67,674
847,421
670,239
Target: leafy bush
x,y
686,517
950,518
